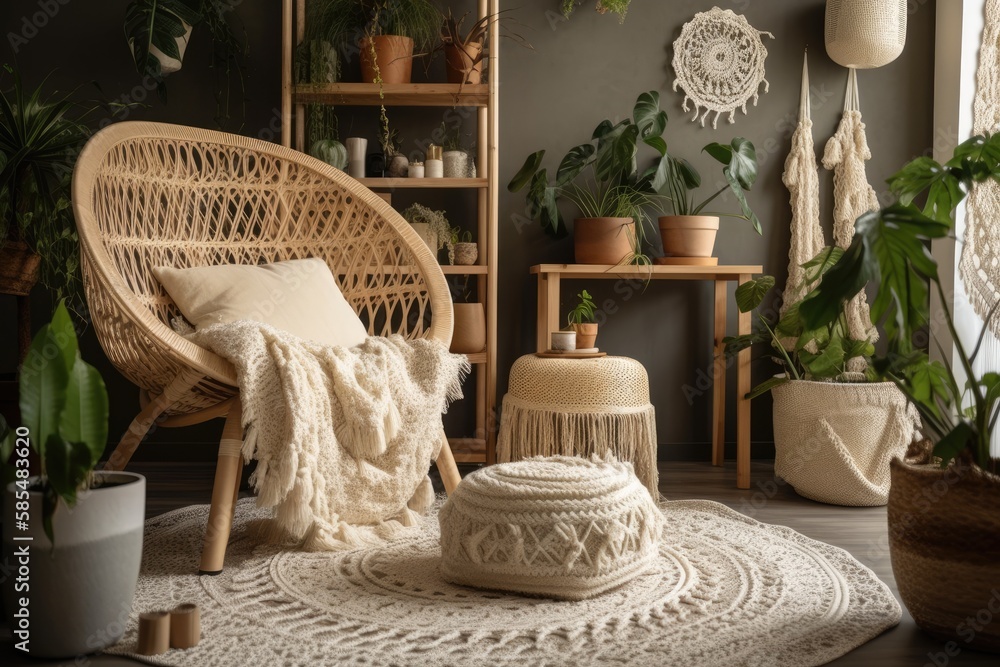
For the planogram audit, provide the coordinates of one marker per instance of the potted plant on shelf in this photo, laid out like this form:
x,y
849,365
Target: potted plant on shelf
x,y
464,52
85,527
40,138
386,33
582,320
397,164
466,252
835,432
433,227
324,137
944,518
690,232
602,180
456,158
619,7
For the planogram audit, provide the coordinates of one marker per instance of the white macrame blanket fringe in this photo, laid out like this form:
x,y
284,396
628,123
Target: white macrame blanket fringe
x,y
343,437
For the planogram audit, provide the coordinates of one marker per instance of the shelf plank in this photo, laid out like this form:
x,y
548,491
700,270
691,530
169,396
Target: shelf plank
x,y
478,358
476,270
468,450
431,183
395,94
610,271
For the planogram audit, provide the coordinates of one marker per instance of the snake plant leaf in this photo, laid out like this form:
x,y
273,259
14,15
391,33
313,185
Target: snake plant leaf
x,y
527,172
751,294
575,162
85,417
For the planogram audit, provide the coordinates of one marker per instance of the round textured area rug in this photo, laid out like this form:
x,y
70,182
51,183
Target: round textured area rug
x,y
725,590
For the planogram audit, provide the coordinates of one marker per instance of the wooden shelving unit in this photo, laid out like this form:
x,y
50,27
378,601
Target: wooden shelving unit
x,y
484,99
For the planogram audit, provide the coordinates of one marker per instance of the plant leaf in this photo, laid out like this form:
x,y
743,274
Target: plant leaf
x,y
85,417
768,385
954,443
576,161
527,172
751,294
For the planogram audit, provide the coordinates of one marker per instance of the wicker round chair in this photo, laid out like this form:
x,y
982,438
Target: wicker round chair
x,y
150,194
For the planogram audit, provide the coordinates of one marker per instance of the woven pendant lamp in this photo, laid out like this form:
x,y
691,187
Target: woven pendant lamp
x,y
865,34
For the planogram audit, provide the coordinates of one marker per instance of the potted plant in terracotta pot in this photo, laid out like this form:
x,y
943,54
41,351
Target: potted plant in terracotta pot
x,y
691,230
464,52
581,320
602,180
835,430
944,518
469,336
84,527
385,33
40,138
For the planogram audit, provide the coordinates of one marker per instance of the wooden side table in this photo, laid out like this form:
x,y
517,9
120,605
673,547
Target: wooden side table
x,y
550,277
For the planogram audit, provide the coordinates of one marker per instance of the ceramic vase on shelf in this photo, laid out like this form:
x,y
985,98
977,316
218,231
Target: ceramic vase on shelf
x,y
466,254
399,166
357,147
456,164
416,170
470,329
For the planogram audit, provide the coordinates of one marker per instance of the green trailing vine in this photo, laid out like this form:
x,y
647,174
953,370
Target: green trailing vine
x,y
619,7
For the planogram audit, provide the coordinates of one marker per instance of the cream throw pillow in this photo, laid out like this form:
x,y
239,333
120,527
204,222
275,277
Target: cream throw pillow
x,y
298,296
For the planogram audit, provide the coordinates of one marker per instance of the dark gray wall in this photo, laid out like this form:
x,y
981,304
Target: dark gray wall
x,y
579,72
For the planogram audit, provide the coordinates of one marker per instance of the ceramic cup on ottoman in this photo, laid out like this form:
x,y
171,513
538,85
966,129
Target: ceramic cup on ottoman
x,y
560,527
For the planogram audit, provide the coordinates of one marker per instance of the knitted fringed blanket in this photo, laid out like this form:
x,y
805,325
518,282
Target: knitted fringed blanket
x,y
343,437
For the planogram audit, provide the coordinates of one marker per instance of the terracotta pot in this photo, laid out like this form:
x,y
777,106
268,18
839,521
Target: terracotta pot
x,y
18,268
470,329
603,240
586,335
944,540
459,63
466,254
394,56
688,235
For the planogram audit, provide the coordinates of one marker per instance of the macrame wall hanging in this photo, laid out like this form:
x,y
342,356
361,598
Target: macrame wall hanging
x,y
801,177
846,154
719,63
980,263
865,34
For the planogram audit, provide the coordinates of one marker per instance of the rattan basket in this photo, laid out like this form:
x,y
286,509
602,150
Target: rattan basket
x,y
865,34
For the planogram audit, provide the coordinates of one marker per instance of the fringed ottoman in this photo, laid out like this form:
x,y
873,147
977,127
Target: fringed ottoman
x,y
580,407
562,527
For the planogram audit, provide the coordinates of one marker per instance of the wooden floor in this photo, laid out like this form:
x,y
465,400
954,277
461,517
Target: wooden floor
x,y
862,532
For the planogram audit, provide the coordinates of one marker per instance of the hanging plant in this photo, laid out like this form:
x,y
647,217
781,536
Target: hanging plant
x,y
619,7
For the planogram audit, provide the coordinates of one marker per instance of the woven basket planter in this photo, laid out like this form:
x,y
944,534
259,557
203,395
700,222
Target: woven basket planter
x,y
834,441
865,34
18,268
944,540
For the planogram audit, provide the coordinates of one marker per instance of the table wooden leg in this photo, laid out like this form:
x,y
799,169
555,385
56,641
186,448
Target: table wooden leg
x,y
743,403
719,377
548,309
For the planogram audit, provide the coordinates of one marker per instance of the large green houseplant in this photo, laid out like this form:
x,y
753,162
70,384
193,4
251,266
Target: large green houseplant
x,y
835,431
84,527
944,519
40,137
603,180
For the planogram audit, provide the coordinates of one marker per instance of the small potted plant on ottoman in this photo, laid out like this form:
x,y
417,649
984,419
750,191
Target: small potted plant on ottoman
x,y
582,320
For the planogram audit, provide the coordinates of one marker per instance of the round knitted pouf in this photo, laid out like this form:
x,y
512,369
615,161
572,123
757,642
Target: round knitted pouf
x,y
561,527
580,407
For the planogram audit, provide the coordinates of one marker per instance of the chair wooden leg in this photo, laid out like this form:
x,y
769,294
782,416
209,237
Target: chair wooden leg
x,y
447,468
144,421
227,479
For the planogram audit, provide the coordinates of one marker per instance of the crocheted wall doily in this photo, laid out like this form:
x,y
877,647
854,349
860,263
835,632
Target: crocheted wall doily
x,y
725,590
719,62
